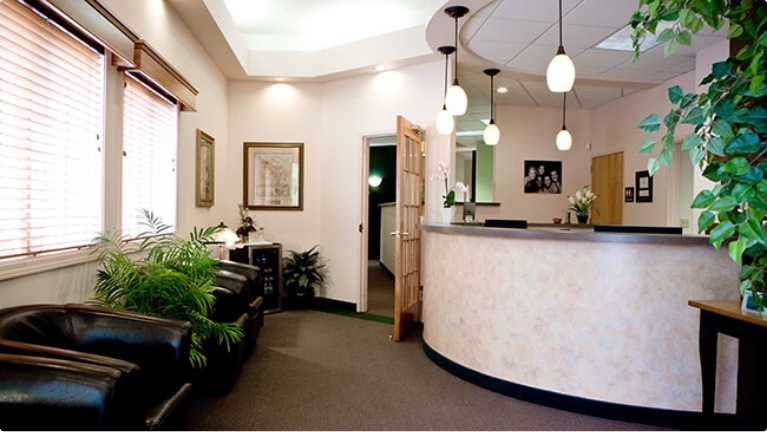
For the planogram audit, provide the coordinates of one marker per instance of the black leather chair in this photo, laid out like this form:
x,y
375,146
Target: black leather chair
x,y
224,363
231,276
42,393
152,352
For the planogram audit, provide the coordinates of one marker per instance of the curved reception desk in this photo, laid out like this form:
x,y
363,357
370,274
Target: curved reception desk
x,y
563,316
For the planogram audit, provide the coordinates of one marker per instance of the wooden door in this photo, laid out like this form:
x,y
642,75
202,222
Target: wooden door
x,y
607,182
407,245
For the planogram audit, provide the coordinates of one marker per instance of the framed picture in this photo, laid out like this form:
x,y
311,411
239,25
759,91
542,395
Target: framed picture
x,y
643,186
629,194
273,176
205,178
543,176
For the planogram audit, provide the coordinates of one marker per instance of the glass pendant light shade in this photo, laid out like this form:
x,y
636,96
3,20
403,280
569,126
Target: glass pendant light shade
x,y
492,134
564,140
445,122
560,74
456,100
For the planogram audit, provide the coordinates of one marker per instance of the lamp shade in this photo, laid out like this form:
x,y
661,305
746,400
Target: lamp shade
x,y
564,139
560,75
456,100
492,134
445,122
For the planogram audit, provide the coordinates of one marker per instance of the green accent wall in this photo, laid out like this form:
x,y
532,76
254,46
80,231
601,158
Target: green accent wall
x,y
484,173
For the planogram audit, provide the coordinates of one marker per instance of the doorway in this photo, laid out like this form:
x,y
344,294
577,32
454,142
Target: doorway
x,y
381,163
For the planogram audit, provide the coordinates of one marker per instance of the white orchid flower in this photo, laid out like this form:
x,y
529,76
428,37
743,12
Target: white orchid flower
x,y
460,187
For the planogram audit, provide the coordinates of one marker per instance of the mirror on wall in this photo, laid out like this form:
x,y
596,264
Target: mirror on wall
x,y
474,167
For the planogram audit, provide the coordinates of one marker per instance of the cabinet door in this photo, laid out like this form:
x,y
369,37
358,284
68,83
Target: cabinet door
x,y
269,260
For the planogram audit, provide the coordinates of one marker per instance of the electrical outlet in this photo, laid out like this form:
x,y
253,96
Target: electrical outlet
x,y
684,222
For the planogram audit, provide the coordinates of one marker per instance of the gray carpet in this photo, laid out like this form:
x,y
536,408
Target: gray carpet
x,y
314,370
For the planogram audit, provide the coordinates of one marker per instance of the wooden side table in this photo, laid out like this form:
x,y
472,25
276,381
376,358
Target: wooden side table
x,y
722,316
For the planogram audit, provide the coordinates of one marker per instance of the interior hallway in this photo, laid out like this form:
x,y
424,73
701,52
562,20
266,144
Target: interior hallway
x,y
380,290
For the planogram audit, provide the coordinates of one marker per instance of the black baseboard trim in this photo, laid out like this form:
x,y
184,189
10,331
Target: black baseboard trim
x,y
683,420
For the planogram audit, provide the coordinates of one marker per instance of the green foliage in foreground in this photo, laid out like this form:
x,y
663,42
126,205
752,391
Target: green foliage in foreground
x,y
166,276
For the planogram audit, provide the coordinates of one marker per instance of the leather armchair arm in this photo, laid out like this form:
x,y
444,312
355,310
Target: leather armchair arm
x,y
38,393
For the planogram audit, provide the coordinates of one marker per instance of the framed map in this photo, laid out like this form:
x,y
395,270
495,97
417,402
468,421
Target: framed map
x,y
273,176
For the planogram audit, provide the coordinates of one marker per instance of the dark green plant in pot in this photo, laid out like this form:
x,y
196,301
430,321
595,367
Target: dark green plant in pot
x,y
163,275
303,271
729,121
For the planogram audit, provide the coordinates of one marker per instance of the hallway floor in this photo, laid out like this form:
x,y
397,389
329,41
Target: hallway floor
x,y
380,290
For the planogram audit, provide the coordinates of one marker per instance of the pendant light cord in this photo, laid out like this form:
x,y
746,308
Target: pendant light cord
x,y
455,63
492,116
560,22
564,108
446,66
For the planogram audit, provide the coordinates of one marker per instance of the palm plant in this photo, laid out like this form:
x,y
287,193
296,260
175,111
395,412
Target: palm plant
x,y
163,275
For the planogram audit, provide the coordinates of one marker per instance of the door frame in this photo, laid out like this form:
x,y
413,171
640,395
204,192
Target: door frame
x,y
362,295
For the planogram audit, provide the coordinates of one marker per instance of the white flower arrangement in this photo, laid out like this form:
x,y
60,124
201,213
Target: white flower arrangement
x,y
582,201
442,174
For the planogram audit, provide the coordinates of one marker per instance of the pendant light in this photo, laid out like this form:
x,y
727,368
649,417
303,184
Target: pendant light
x,y
564,139
456,100
560,74
445,121
492,134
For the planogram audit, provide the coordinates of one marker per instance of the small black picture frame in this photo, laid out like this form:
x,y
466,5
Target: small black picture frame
x,y
628,195
643,186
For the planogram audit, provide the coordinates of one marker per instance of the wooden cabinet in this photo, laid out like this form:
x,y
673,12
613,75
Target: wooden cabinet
x,y
268,257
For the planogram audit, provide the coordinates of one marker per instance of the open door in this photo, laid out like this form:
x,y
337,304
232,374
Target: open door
x,y
408,211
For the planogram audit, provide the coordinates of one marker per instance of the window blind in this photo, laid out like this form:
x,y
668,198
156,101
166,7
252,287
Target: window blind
x,y
51,122
150,125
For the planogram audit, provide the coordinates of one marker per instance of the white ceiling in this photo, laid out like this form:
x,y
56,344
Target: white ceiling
x,y
285,38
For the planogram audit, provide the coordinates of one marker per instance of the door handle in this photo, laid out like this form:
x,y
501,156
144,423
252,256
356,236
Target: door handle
x,y
399,234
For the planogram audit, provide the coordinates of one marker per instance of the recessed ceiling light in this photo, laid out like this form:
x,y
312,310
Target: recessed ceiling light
x,y
380,68
279,79
621,40
502,90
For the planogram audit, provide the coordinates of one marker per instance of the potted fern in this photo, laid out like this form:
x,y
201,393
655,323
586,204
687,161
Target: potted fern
x,y
303,272
164,275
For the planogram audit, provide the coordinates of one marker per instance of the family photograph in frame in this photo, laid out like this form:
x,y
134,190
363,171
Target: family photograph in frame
x,y
543,177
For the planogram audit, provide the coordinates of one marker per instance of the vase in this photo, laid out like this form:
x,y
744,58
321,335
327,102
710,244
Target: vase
x,y
582,219
447,214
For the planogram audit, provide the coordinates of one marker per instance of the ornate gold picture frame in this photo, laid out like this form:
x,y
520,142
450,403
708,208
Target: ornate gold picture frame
x,y
205,178
273,176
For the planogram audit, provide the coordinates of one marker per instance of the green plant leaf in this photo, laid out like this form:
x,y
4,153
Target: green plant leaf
x,y
723,231
696,156
704,199
735,250
651,123
734,31
647,146
684,38
736,166
744,144
716,146
669,48
652,166
705,221
691,140
664,157
665,35
724,204
722,128
675,93
694,116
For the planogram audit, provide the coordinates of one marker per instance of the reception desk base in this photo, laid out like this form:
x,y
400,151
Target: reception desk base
x,y
594,322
